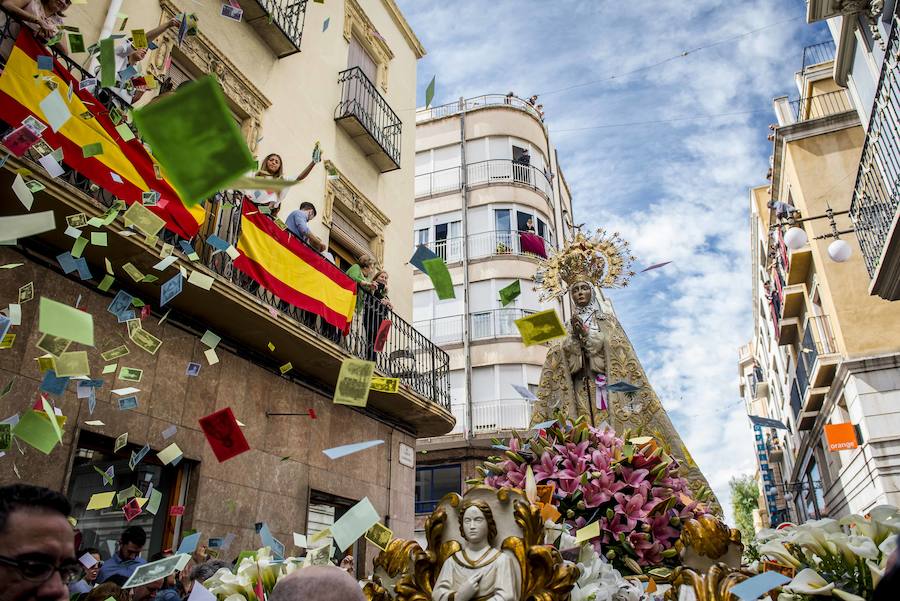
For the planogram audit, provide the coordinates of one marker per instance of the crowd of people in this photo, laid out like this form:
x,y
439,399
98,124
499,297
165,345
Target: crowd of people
x,y
40,561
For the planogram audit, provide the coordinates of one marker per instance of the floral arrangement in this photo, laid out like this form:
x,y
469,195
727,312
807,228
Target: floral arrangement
x,y
843,558
631,486
255,576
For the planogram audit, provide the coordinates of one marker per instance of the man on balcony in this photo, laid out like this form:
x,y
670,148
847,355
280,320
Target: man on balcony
x,y
298,224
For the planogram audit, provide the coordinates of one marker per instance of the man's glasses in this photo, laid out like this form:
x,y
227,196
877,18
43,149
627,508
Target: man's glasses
x,y
36,570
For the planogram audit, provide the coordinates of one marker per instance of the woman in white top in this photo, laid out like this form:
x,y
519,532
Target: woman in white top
x,y
272,166
43,16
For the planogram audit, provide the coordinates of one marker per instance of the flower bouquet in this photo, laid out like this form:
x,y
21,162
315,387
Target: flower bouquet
x,y
841,558
254,578
629,485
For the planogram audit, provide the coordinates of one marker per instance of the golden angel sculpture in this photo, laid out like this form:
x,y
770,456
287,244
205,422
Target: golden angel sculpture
x,y
594,371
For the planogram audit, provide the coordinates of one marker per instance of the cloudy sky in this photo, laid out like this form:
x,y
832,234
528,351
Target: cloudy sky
x,y
665,155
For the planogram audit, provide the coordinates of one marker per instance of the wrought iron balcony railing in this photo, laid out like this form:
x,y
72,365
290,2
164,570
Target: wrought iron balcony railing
x,y
821,105
876,196
817,54
499,243
407,353
368,119
442,330
278,22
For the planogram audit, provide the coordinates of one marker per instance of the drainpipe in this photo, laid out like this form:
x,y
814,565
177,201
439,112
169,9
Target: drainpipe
x,y
464,181
115,7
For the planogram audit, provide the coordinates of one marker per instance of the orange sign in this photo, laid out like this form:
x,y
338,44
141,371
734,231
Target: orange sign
x,y
841,437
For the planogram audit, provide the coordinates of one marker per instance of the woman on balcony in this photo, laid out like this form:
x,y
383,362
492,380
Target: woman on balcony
x,y
43,16
273,167
375,310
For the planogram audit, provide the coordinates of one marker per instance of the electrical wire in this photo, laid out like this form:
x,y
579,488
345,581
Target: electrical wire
x,y
683,54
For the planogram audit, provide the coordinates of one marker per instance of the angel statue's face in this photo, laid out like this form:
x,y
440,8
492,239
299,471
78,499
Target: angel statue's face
x,y
475,525
581,293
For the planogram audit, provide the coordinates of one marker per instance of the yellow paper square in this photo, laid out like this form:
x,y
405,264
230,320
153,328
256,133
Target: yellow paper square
x,y
585,534
169,454
101,500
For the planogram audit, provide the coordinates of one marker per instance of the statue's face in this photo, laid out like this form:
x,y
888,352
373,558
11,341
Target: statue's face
x,y
475,525
581,293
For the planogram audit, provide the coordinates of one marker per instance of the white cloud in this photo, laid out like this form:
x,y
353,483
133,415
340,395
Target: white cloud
x,y
677,191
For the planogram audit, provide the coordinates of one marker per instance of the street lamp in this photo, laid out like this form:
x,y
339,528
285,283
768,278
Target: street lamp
x,y
795,236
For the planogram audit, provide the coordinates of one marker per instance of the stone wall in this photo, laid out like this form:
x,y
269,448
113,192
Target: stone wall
x,y
256,486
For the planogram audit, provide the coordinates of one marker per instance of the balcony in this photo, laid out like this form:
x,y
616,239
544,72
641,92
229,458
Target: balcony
x,y
774,449
367,118
794,300
439,182
800,261
788,329
478,102
817,54
505,171
247,317
443,331
501,243
497,323
820,106
500,415
819,352
875,207
278,22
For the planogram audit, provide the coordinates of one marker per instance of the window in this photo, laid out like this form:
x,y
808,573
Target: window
x,y
358,57
422,236
433,483
522,221
447,240
101,529
323,511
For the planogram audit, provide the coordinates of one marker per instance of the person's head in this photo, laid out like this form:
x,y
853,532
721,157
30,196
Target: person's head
x,y
366,261
317,583
90,574
582,293
272,165
310,209
540,107
37,548
204,571
132,542
533,98
107,590
146,592
530,222
476,522
381,278
55,7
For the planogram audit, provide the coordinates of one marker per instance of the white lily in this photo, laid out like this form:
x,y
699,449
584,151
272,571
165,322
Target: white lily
x,y
777,551
863,546
859,525
876,571
846,596
887,521
809,582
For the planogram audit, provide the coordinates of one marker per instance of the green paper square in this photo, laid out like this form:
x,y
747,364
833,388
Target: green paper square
x,y
195,139
35,429
66,322
78,247
107,62
510,293
440,277
92,150
125,131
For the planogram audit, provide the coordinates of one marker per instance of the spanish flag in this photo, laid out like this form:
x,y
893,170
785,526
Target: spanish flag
x,y
125,169
293,271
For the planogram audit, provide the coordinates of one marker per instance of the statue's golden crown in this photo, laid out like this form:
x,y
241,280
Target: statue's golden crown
x,y
603,259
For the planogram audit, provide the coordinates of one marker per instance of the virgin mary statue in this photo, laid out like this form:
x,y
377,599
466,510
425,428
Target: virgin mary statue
x,y
594,371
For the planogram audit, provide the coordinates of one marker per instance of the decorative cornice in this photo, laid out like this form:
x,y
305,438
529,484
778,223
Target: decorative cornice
x,y
405,28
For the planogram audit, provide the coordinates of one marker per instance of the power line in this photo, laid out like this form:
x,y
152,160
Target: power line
x,y
682,54
657,121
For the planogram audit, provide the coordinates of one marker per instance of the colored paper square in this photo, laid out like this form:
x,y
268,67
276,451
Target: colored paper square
x,y
223,434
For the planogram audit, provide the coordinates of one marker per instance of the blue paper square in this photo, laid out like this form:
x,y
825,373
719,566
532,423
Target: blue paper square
x,y
45,63
189,543
54,385
67,262
754,588
186,247
84,272
5,322
217,242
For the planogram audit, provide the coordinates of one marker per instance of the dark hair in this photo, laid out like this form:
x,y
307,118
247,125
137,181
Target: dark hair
x,y
26,496
207,569
488,516
133,534
308,205
264,172
106,590
117,579
91,550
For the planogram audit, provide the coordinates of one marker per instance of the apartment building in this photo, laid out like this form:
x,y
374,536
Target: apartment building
x,y
827,349
491,200
293,73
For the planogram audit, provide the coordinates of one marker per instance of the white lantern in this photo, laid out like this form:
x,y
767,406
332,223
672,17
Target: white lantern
x,y
795,238
839,251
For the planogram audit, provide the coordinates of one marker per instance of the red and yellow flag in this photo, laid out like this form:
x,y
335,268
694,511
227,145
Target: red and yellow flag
x,y
292,271
125,169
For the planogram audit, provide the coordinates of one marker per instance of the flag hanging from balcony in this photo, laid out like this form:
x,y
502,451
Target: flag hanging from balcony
x,y
121,166
293,271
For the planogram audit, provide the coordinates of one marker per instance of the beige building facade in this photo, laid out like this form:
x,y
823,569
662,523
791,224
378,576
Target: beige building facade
x,y
828,351
488,188
342,73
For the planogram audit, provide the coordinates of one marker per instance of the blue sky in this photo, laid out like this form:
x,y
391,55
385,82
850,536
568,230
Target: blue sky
x,y
676,190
